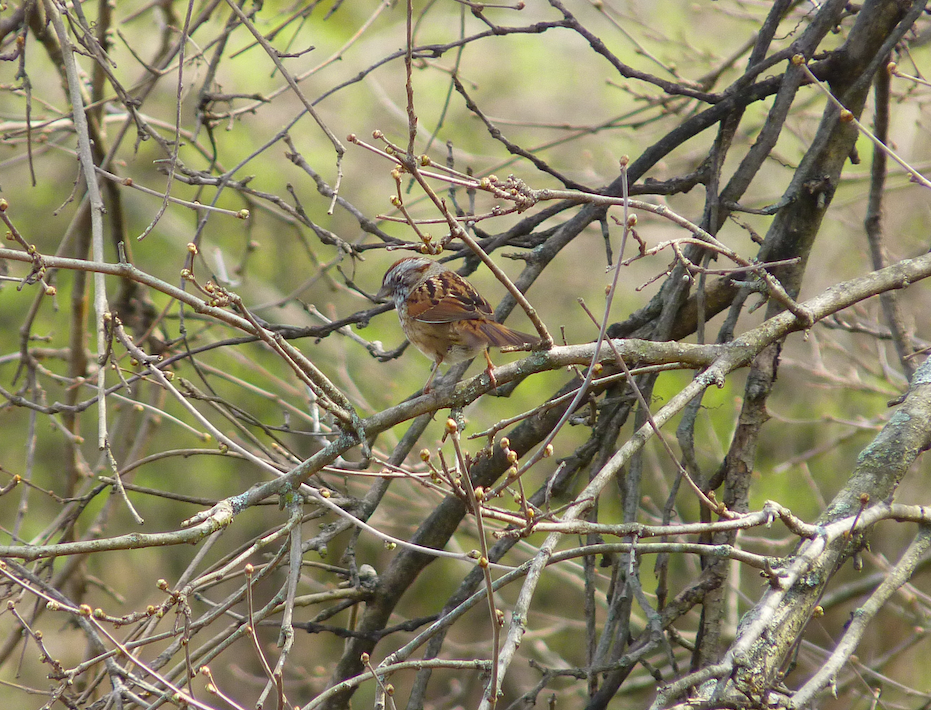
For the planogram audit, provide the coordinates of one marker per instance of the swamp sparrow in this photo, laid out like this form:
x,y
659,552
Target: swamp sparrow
x,y
442,314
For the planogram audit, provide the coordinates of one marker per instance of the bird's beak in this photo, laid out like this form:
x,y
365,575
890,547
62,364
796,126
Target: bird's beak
x,y
384,293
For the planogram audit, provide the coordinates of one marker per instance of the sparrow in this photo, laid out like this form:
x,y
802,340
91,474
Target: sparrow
x,y
442,314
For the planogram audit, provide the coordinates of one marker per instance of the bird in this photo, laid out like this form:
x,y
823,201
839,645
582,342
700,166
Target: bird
x,y
443,315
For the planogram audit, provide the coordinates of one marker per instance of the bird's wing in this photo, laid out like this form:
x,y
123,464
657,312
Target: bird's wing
x,y
445,299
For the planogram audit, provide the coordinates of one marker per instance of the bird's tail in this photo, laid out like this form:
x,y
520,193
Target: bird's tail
x,y
499,335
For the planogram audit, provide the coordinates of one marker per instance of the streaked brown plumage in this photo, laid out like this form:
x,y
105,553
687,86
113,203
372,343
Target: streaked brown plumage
x,y
442,314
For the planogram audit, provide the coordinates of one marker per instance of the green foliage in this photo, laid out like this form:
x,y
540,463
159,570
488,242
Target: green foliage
x,y
216,406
